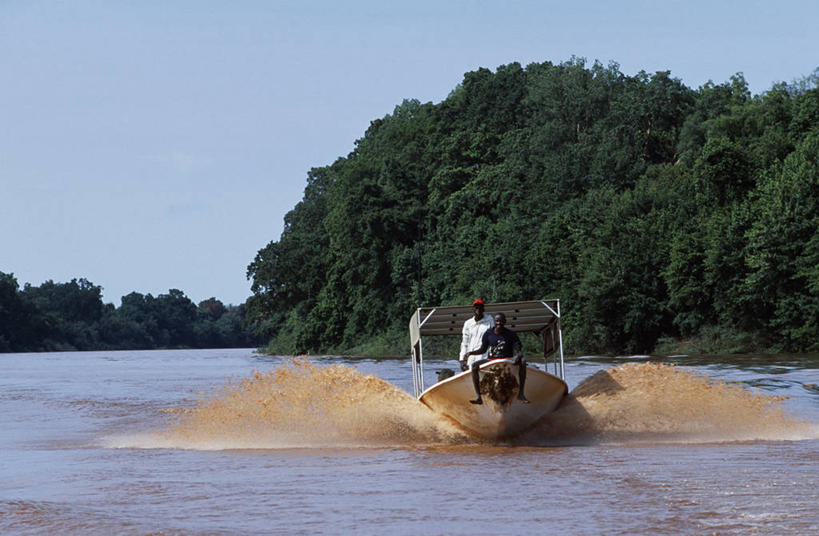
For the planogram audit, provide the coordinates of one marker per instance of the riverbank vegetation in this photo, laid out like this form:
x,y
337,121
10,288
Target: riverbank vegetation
x,y
660,215
72,316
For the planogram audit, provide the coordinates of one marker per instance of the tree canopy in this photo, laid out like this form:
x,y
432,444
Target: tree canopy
x,y
72,316
652,210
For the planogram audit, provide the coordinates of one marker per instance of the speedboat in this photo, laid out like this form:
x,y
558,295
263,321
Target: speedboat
x,y
501,415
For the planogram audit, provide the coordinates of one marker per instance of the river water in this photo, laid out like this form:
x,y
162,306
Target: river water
x,y
230,442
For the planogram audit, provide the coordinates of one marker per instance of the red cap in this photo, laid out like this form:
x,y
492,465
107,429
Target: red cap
x,y
476,302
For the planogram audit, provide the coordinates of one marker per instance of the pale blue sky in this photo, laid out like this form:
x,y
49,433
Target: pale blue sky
x,y
148,145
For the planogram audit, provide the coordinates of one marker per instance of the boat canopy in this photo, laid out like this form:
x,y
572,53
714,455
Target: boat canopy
x,y
539,316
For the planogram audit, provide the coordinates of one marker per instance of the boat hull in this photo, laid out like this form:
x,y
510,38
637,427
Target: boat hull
x,y
501,415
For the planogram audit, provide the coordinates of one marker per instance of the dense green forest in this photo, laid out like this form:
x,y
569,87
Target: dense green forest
x,y
663,217
72,316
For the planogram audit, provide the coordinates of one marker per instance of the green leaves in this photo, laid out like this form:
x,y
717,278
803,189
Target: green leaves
x,y
652,210
780,252
71,316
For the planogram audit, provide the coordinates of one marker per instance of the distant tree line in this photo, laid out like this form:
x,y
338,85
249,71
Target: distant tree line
x,y
72,316
657,213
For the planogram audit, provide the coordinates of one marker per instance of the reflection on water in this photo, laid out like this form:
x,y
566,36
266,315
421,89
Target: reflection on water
x,y
225,442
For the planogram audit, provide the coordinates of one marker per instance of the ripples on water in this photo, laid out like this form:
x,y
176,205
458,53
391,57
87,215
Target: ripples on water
x,y
225,442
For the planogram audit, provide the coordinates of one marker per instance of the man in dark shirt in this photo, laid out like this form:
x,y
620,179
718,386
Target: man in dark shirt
x,y
502,344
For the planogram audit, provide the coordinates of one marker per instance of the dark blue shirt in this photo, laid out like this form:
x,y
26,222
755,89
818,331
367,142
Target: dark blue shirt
x,y
501,345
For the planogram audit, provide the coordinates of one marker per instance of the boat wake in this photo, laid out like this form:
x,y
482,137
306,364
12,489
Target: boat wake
x,y
302,405
298,405
653,402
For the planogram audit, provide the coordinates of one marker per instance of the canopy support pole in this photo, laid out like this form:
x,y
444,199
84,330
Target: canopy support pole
x,y
562,374
418,360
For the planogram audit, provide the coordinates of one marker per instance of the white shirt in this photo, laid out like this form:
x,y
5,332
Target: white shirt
x,y
472,335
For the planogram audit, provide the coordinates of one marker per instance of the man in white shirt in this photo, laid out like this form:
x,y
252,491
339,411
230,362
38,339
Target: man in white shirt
x,y
472,334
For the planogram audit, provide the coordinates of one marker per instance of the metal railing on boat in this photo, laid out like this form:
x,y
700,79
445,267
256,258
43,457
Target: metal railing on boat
x,y
539,316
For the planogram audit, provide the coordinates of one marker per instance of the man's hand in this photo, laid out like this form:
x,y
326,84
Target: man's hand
x,y
463,365
518,359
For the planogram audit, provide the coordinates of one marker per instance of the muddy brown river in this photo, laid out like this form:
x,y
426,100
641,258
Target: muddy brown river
x,y
229,442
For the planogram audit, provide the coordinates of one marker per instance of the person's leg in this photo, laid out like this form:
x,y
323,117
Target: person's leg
x,y
476,381
522,381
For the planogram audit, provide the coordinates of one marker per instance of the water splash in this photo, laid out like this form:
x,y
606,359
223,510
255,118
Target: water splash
x,y
660,402
304,405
